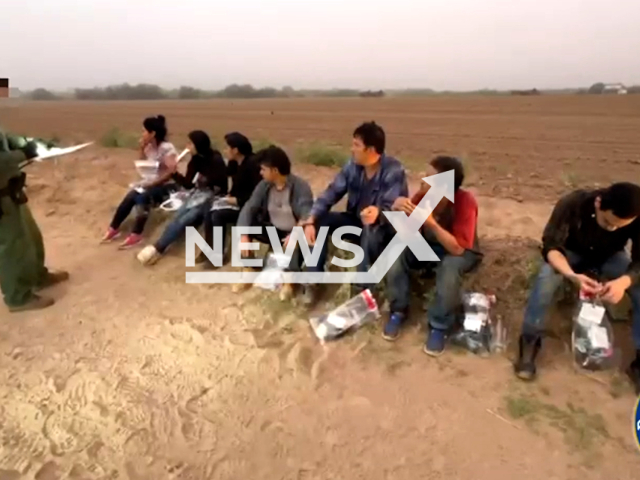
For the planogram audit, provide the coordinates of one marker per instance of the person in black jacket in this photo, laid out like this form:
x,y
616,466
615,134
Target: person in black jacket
x,y
244,170
206,177
584,242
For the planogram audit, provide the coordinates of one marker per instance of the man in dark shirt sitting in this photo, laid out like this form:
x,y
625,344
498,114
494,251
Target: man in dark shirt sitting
x,y
587,232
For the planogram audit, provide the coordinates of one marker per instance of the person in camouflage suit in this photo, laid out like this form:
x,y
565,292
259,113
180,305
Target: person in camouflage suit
x,y
22,269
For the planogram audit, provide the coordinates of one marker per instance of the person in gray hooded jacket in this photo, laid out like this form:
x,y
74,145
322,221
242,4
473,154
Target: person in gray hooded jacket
x,y
282,200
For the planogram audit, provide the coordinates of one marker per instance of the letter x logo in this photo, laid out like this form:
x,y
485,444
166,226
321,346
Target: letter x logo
x,y
408,228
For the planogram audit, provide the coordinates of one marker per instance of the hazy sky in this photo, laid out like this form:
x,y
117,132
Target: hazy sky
x,y
442,44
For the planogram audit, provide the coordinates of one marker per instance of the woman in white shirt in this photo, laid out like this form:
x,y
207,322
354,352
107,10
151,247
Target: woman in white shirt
x,y
153,146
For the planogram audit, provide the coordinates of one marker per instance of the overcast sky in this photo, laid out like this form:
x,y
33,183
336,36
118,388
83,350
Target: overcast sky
x,y
441,44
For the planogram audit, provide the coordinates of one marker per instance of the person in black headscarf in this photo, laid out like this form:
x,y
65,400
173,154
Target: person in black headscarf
x,y
206,177
244,170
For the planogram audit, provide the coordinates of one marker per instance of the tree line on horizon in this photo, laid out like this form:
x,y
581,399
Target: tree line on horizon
x,y
144,91
235,91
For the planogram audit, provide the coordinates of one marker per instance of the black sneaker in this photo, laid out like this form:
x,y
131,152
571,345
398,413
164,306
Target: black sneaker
x,y
525,367
634,373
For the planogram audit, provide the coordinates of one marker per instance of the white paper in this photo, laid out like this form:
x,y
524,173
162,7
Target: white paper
x,y
44,152
320,330
591,314
473,322
477,300
269,279
182,155
147,169
598,337
272,276
337,321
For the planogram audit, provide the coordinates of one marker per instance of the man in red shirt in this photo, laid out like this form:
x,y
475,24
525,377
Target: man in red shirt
x,y
451,230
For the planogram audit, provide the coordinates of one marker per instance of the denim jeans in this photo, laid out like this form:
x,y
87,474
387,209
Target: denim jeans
x,y
443,313
225,218
143,203
372,240
549,280
184,217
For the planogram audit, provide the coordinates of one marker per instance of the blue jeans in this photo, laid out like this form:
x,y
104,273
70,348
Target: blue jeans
x,y
549,280
372,240
143,201
443,313
184,217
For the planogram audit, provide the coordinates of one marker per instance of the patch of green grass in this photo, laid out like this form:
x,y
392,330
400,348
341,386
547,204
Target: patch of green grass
x,y
466,164
533,268
581,429
272,305
262,143
520,407
116,138
428,298
618,386
570,179
323,155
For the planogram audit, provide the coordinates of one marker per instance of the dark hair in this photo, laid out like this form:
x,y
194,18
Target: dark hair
x,y
157,125
443,164
372,135
201,141
275,157
622,199
239,141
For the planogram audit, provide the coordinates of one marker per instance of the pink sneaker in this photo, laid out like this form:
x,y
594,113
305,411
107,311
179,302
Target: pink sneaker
x,y
131,241
111,234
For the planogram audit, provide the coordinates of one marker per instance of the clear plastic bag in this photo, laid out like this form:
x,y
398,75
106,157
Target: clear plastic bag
x,y
480,334
175,201
592,336
272,276
221,203
349,316
198,197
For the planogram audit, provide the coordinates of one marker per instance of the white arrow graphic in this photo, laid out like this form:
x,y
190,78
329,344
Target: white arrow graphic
x,y
408,229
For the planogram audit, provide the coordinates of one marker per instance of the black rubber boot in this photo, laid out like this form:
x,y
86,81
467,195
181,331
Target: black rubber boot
x,y
525,367
634,373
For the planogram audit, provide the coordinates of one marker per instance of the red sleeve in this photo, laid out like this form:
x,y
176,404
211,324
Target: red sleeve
x,y
465,219
417,197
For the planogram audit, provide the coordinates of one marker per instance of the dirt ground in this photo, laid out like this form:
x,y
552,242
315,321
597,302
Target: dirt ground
x,y
135,374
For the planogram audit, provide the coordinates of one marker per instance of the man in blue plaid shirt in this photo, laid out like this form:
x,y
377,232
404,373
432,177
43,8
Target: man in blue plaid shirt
x,y
372,181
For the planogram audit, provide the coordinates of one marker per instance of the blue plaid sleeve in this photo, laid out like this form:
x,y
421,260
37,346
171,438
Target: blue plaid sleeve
x,y
333,193
394,185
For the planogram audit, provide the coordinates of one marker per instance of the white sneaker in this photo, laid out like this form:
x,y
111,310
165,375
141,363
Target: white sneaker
x,y
148,255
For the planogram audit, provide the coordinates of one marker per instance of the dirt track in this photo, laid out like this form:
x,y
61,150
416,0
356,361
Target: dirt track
x,y
134,374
